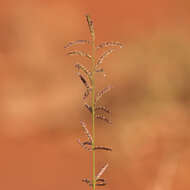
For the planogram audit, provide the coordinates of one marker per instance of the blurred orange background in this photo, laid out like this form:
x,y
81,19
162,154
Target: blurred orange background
x,y
41,96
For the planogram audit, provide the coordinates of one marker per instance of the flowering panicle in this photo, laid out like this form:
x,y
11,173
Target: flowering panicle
x,y
95,110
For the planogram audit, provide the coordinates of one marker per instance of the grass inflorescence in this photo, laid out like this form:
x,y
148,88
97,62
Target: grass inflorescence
x,y
96,110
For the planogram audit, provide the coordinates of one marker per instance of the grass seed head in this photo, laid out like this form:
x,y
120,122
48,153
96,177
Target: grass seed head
x,y
102,117
109,44
86,131
83,68
87,92
90,25
102,148
83,81
102,92
88,107
102,57
101,171
99,70
81,53
76,43
102,108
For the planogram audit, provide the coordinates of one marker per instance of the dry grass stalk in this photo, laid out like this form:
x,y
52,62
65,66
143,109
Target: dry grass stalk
x,y
76,43
109,44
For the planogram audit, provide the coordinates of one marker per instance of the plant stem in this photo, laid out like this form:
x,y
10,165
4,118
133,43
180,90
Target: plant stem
x,y
93,113
92,32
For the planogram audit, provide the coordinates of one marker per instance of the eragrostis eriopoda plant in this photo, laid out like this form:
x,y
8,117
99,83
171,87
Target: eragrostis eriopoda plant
x,y
87,76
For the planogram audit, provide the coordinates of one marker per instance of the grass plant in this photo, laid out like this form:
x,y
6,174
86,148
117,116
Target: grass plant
x,y
88,76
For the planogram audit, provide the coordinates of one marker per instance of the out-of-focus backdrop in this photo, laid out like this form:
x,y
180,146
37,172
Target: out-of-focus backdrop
x,y
41,96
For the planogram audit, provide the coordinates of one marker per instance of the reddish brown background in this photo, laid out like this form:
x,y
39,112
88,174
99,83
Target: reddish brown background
x,y
41,97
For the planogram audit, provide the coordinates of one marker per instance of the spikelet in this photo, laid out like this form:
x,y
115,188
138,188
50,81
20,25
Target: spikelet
x,y
86,94
86,131
83,81
102,92
85,144
101,171
82,145
84,69
99,70
100,60
78,140
88,90
109,44
86,181
102,117
102,148
102,108
76,43
90,25
81,53
99,182
88,107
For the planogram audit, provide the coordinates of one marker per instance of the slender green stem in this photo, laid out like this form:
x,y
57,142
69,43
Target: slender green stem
x,y
93,113
92,32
